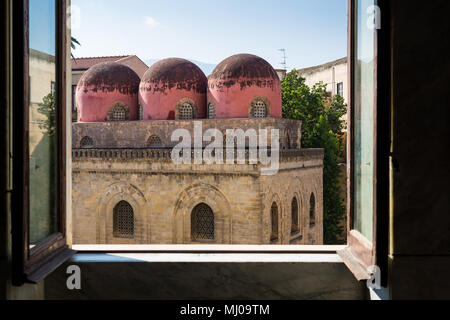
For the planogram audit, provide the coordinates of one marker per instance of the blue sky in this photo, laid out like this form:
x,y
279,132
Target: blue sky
x,y
42,25
311,31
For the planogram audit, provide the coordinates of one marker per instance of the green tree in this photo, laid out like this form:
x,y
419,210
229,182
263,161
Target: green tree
x,y
48,109
322,127
48,106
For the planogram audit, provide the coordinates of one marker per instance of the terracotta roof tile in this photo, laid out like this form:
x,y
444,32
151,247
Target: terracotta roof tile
x,y
131,61
86,63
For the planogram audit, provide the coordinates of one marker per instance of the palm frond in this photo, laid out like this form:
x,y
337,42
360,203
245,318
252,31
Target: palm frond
x,y
74,43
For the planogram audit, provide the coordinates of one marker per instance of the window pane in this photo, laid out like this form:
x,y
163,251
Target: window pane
x,y
42,121
364,105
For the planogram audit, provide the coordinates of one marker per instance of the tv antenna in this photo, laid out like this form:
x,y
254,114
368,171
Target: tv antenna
x,y
284,62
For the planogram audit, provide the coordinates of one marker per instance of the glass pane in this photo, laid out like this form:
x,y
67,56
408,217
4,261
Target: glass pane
x,y
364,105
42,117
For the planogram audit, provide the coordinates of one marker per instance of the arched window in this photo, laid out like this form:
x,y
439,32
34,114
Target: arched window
x,y
141,112
211,111
123,221
186,112
312,210
259,109
295,226
119,112
202,223
154,142
86,143
274,222
288,140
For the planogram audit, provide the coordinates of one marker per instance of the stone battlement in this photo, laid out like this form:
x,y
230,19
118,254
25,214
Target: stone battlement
x,y
164,154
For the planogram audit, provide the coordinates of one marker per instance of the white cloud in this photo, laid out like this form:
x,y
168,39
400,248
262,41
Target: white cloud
x,y
151,22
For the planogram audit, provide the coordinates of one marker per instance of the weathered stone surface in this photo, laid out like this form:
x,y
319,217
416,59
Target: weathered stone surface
x,y
164,194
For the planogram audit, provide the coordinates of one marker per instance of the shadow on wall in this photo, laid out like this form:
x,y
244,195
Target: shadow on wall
x,y
43,189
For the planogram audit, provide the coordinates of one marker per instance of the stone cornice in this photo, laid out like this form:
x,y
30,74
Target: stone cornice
x,y
164,154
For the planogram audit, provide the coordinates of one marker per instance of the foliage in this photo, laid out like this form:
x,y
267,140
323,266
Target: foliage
x,y
322,127
48,106
74,43
48,109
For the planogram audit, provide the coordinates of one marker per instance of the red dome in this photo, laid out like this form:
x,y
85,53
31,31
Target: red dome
x,y
173,89
243,86
108,92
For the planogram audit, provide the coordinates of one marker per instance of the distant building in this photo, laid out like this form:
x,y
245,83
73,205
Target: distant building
x,y
81,65
334,74
281,73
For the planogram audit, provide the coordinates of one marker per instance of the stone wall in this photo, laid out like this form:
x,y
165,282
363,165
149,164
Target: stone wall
x,y
300,182
164,194
120,166
136,134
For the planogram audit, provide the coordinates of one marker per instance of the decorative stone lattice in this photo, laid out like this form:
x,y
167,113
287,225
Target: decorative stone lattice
x,y
259,108
87,143
119,112
211,111
202,223
260,111
123,221
186,112
186,109
154,142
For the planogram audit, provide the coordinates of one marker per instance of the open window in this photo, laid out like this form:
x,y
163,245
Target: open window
x,y
39,217
368,147
39,139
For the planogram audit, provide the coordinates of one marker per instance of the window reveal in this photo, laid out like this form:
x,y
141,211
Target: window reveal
x,y
123,220
119,112
274,222
186,112
295,226
202,223
312,210
86,143
259,109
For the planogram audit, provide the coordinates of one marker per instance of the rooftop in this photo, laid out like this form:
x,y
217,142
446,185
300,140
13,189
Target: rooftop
x,y
132,61
322,67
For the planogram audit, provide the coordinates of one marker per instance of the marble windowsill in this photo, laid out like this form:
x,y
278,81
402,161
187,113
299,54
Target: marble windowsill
x,y
206,272
206,254
203,248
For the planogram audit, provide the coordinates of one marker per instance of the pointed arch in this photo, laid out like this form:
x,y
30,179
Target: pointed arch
x,y
188,200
